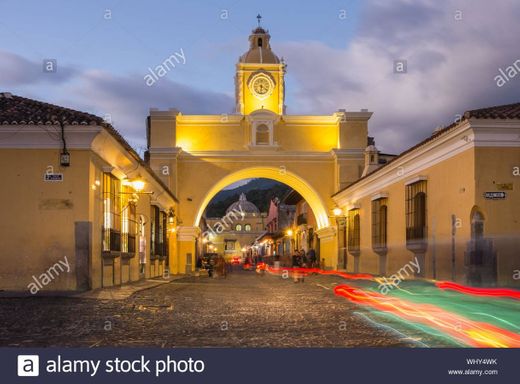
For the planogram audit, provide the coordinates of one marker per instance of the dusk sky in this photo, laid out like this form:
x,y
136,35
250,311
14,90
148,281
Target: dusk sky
x,y
340,54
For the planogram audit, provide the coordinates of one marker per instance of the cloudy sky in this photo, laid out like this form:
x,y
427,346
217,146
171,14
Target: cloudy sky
x,y
340,54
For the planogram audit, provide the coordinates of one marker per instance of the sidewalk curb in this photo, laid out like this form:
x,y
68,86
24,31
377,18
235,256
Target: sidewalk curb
x,y
125,291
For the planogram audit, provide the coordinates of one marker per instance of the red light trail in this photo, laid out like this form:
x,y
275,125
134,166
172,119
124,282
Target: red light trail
x,y
470,332
495,292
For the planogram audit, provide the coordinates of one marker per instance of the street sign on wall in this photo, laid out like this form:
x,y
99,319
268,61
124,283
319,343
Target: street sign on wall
x,y
53,177
495,195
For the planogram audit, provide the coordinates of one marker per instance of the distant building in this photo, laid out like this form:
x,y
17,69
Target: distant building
x,y
271,244
234,234
303,225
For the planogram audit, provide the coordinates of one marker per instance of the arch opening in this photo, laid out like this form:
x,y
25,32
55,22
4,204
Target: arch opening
x,y
279,174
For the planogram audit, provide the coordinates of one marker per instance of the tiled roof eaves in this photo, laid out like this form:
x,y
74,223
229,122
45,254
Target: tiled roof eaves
x,y
15,110
509,111
402,154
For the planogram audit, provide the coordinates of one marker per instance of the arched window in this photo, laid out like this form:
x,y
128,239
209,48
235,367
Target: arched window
x,y
247,228
238,227
262,135
260,42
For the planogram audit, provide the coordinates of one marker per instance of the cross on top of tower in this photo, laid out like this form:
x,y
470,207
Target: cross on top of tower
x,y
259,18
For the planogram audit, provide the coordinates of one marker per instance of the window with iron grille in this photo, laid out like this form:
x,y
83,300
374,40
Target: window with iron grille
x,y
158,228
416,211
162,233
154,224
128,221
111,231
379,224
165,248
354,231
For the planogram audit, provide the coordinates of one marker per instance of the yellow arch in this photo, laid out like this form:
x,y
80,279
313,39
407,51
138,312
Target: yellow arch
x,y
292,180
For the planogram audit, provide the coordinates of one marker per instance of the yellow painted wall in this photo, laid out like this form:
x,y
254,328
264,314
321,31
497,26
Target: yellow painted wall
x,y
38,226
449,191
251,102
502,217
306,137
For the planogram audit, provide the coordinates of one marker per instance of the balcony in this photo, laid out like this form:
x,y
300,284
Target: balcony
x,y
301,219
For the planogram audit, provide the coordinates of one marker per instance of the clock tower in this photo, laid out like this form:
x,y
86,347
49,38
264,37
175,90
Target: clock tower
x,y
259,79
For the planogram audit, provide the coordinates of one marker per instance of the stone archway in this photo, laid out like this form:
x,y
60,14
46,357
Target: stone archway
x,y
189,231
291,179
197,155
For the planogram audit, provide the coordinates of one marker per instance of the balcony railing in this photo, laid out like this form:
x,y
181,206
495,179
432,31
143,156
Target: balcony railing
x,y
301,219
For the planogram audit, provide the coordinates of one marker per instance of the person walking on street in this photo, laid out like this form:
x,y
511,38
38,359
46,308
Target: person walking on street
x,y
296,264
311,254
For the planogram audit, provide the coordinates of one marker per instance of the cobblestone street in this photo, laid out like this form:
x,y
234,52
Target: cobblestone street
x,y
244,310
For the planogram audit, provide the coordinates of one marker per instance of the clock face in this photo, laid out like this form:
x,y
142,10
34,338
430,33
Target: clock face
x,y
261,86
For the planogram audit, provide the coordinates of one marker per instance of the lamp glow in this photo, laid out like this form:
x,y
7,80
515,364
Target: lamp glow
x,y
337,211
138,185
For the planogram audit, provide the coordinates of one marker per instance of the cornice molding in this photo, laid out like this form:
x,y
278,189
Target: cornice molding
x,y
39,136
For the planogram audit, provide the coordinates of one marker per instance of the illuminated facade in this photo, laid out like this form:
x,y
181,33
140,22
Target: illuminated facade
x,y
233,236
76,190
450,201
198,155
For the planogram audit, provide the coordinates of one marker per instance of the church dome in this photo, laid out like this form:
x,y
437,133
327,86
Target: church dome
x,y
260,49
259,55
243,205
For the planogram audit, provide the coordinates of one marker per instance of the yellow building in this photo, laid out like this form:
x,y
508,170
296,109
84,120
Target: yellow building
x,y
199,155
233,234
450,202
81,209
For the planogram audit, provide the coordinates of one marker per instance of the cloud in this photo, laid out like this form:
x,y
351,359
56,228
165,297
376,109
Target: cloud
x,y
15,70
124,100
451,66
127,100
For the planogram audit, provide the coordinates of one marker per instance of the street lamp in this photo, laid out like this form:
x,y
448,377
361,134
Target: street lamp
x,y
337,211
289,232
171,216
138,185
